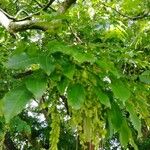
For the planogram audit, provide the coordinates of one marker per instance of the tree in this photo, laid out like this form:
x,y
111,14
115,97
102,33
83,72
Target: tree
x,y
73,73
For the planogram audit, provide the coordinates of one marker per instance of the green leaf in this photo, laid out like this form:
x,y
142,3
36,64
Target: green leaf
x,y
17,124
46,64
145,77
120,90
107,65
76,95
82,57
134,118
14,102
21,46
103,98
115,116
110,129
20,61
1,108
68,70
32,49
63,84
77,53
37,86
124,134
133,144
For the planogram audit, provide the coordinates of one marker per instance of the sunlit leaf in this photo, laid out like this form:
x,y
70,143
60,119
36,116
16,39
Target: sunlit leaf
x,y
14,102
46,64
78,54
20,61
124,134
120,90
108,66
37,86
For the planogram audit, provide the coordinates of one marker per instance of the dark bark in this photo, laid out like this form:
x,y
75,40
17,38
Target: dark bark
x,y
65,5
23,74
90,146
9,144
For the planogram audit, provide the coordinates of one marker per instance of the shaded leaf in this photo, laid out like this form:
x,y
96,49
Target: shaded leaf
x,y
68,70
115,116
76,95
134,118
62,85
145,77
103,98
20,125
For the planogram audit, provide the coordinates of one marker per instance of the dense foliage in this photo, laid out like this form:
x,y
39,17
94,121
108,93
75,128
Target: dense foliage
x,y
80,80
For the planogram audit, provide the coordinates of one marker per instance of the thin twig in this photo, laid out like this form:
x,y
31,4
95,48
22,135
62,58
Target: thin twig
x,y
48,4
9,16
44,8
19,12
64,99
40,5
126,16
75,35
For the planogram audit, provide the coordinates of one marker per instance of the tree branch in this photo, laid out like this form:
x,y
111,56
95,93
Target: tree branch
x,y
64,99
65,5
6,14
22,74
12,25
43,8
4,20
48,4
126,16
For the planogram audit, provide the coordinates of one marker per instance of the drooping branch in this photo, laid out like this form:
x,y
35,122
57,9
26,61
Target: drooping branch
x,y
12,25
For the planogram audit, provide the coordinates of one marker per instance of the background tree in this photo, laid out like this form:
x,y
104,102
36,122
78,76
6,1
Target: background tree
x,y
74,73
